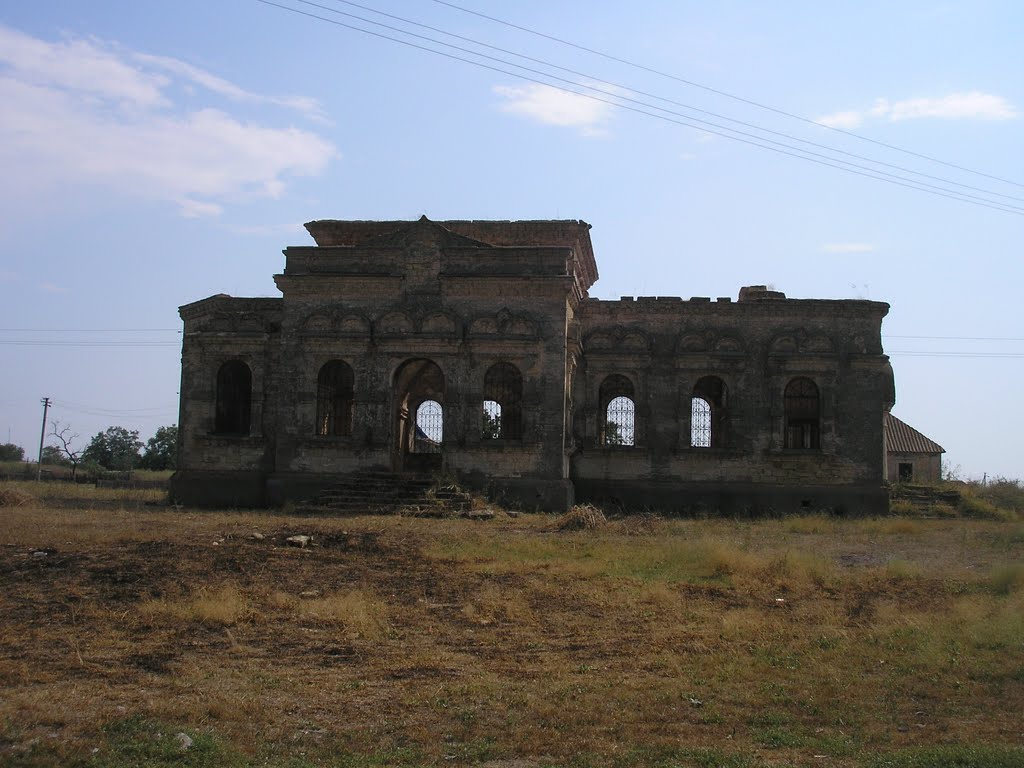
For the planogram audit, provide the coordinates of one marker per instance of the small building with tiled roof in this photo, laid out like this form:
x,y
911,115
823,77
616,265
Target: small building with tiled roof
x,y
910,457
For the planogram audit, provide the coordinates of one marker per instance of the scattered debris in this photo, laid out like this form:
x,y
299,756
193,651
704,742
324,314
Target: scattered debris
x,y
184,741
299,541
257,536
695,702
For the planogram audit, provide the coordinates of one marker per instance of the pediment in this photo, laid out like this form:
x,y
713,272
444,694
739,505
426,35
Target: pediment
x,y
424,232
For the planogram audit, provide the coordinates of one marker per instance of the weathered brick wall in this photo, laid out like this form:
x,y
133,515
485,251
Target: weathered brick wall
x,y
467,295
665,345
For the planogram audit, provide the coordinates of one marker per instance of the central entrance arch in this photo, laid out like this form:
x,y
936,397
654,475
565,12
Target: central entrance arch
x,y
418,416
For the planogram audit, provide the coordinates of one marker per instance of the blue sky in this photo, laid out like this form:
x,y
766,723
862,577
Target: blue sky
x,y
157,153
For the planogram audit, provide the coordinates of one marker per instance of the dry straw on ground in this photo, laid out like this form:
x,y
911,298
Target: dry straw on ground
x,y
14,497
582,517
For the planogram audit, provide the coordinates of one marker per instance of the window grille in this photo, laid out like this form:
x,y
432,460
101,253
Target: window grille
x,y
429,427
803,414
503,403
618,425
334,397
708,415
700,423
492,420
234,399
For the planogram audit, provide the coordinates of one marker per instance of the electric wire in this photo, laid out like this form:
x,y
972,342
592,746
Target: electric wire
x,y
613,95
956,338
620,86
728,95
843,165
915,353
90,344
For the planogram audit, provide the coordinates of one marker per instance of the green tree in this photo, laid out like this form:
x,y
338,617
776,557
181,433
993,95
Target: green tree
x,y
492,420
613,433
161,449
11,452
55,456
114,448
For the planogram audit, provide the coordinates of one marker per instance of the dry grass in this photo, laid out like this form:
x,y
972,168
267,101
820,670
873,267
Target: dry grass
x,y
400,641
582,517
16,497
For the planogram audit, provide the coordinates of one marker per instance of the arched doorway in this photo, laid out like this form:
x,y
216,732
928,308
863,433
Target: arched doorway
x,y
418,413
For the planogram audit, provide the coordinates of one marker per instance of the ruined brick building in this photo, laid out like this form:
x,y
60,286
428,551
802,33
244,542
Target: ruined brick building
x,y
471,348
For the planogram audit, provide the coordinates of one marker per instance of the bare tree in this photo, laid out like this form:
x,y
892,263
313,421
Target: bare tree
x,y
61,433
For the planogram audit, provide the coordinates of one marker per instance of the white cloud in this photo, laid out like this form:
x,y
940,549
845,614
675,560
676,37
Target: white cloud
x,y
973,105
848,119
553,106
310,107
194,209
52,288
956,106
82,111
847,248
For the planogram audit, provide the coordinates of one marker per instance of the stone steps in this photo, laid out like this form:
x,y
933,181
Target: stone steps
x,y
380,492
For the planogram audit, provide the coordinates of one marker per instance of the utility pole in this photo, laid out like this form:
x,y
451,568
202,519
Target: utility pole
x,y
42,437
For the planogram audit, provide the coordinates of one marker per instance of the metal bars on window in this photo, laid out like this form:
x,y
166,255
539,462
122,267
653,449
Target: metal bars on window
x,y
700,423
620,421
429,427
618,411
503,403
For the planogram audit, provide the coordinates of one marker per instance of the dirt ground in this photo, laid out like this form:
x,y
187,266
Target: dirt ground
x,y
506,642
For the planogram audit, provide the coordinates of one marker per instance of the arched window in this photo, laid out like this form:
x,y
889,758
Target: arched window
x,y
618,411
334,399
503,403
234,399
700,423
429,427
803,414
707,413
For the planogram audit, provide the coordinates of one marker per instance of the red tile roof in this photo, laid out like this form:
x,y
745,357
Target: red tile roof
x,y
900,437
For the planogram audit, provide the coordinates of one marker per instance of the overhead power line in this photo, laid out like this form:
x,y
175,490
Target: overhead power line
x,y
726,94
616,101
956,338
630,89
113,344
1000,355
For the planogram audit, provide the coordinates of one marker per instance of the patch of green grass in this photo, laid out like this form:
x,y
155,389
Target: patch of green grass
x,y
664,756
777,738
138,741
978,507
951,756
